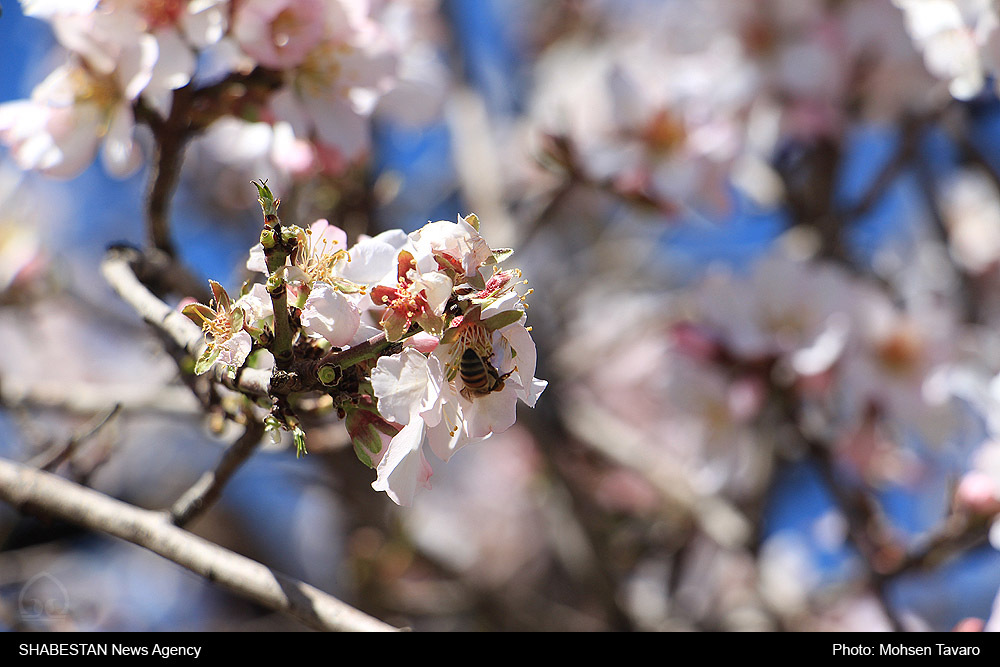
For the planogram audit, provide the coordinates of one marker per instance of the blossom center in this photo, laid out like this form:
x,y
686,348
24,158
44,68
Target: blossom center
x,y
321,69
900,352
162,13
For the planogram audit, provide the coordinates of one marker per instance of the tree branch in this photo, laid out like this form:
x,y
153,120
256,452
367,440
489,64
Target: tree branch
x,y
208,488
33,490
117,270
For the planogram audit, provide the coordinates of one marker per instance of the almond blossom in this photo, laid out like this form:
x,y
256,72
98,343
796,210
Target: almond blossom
x,y
415,299
228,325
337,65
425,393
71,115
437,294
119,52
420,393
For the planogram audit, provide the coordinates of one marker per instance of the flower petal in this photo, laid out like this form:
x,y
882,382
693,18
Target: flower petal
x,y
403,468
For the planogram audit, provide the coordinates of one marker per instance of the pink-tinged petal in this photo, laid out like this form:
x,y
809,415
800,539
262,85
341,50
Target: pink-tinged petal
x,y
422,342
437,290
403,469
338,125
451,433
296,156
135,70
233,352
371,261
325,238
47,9
176,62
330,314
279,33
205,22
74,139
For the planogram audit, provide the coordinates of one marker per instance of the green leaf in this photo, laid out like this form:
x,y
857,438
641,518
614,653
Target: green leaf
x,y
198,313
450,336
500,254
238,317
395,326
473,220
222,300
206,360
502,319
263,191
365,440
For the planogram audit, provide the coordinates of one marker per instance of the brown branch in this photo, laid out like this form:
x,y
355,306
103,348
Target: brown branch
x,y
170,135
957,533
209,487
35,491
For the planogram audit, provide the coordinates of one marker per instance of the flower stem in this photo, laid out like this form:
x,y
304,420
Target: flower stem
x,y
276,254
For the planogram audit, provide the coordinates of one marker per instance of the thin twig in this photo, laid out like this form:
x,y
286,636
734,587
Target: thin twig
x,y
117,270
717,517
37,491
209,487
51,458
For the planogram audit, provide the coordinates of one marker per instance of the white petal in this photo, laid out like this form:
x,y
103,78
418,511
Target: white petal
x,y
493,413
120,154
403,468
401,385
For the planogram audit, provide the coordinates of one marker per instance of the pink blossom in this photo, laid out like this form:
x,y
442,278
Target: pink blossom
x,y
330,314
70,115
279,33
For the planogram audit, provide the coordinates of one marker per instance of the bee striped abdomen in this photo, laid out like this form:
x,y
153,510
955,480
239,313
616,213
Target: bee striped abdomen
x,y
475,373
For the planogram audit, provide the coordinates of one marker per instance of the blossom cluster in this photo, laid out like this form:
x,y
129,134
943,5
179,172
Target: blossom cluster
x,y
712,366
744,78
309,71
421,337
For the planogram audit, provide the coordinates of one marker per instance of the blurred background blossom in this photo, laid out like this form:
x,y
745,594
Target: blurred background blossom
x,y
763,240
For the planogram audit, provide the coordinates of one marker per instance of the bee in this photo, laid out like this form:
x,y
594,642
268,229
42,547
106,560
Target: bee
x,y
479,376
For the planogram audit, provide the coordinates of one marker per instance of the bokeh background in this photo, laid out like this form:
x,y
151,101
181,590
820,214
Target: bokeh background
x,y
763,239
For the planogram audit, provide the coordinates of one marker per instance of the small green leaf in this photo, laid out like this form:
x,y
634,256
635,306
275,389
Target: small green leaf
x,y
502,319
238,317
473,221
366,442
263,191
450,336
206,360
476,281
222,300
500,254
198,313
395,326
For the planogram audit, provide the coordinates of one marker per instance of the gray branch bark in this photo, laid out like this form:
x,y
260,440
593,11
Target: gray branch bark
x,y
36,491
